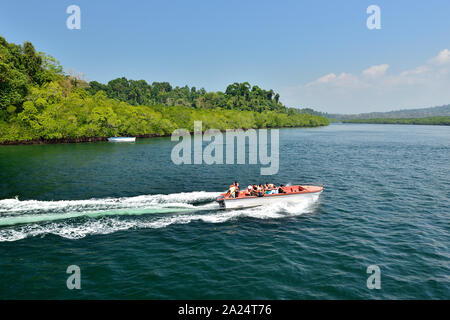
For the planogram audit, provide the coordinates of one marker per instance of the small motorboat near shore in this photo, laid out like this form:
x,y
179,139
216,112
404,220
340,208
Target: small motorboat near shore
x,y
293,194
122,139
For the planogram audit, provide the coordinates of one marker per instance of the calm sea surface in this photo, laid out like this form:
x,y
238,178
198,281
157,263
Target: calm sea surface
x,y
139,226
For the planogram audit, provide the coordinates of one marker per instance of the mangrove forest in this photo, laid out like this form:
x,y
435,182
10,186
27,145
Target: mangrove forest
x,y
40,102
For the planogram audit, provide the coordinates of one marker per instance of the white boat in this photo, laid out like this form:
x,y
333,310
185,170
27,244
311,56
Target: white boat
x,y
122,139
292,194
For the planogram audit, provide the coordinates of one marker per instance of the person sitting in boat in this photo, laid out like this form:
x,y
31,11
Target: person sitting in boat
x,y
236,184
260,190
267,189
232,191
254,192
280,189
271,189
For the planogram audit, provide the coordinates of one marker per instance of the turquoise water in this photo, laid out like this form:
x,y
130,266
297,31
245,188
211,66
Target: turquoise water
x,y
139,226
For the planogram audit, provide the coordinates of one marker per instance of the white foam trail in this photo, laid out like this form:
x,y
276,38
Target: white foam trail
x,y
35,218
110,224
185,199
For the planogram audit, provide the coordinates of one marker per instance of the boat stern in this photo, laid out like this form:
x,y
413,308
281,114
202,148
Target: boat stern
x,y
221,201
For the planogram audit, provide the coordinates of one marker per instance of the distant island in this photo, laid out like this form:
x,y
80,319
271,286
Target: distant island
x,y
39,103
443,121
439,115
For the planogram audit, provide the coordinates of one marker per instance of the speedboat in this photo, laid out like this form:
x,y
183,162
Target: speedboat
x,y
122,139
293,194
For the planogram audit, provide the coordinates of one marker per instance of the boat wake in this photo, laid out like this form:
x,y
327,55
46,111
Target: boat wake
x,y
75,219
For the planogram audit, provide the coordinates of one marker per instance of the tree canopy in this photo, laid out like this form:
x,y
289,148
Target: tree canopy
x,y
39,101
238,96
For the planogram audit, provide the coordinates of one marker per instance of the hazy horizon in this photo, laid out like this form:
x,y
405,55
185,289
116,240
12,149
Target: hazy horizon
x,y
391,110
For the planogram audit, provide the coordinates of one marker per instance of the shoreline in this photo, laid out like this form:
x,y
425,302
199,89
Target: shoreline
x,y
104,139
70,140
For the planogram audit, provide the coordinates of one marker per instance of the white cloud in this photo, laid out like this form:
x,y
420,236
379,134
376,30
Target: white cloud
x,y
326,78
442,58
374,89
376,71
343,80
415,71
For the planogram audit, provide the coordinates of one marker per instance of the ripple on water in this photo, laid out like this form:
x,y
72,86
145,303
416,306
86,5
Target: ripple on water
x,y
385,203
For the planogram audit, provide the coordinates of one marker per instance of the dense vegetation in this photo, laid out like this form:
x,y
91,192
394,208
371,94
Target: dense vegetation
x,y
313,112
427,120
39,101
240,96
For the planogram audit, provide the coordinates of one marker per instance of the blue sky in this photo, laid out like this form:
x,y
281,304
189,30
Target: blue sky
x,y
315,53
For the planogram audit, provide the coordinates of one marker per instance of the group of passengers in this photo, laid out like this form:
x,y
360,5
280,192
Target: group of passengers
x,y
255,190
